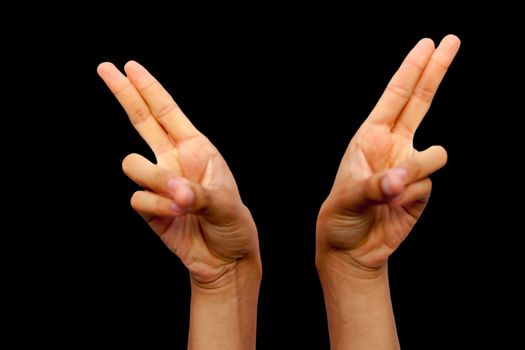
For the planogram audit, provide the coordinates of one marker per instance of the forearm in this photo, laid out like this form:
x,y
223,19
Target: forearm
x,y
358,306
224,317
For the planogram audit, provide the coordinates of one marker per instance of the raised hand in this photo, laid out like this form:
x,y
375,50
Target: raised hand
x,y
383,184
380,191
190,199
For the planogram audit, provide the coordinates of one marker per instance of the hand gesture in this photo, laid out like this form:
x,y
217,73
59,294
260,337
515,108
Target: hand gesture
x,y
190,198
383,184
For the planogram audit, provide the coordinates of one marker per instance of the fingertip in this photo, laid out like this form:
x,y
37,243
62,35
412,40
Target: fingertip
x,y
127,162
176,209
427,42
393,182
133,66
451,42
421,53
183,194
104,68
385,186
445,155
441,154
135,200
453,39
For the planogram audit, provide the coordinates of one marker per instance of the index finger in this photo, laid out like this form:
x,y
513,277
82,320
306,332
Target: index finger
x,y
164,108
402,85
135,107
426,88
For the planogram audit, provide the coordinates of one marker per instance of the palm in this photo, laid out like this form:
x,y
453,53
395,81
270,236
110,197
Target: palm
x,y
354,218
191,237
384,227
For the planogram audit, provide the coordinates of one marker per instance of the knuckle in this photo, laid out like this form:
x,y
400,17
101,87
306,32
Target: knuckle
x,y
424,93
160,205
167,109
163,147
413,63
122,89
160,179
443,65
399,90
140,114
152,84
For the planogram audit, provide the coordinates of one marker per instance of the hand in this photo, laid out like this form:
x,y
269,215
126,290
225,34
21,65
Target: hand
x,y
383,184
190,198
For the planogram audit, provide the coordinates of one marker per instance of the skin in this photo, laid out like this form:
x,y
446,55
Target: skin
x,y
191,201
380,191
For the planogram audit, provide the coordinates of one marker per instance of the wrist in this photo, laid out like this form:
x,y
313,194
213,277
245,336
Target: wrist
x,y
224,311
358,305
340,265
241,279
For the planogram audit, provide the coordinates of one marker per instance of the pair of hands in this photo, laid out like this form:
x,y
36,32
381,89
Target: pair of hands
x,y
190,198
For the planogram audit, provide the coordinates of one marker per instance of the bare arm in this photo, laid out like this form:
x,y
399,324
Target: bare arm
x,y
191,201
379,193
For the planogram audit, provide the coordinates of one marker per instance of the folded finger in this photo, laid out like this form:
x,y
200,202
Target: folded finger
x,y
392,184
152,204
424,163
146,174
187,197
415,194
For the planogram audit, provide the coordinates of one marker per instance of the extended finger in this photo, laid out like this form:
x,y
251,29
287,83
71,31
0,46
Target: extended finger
x,y
401,86
427,86
162,105
135,107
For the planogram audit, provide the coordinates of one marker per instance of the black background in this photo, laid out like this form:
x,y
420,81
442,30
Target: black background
x,y
281,102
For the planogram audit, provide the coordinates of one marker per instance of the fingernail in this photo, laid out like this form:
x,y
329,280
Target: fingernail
x,y
401,173
393,177
172,183
176,209
385,185
182,192
397,199
185,194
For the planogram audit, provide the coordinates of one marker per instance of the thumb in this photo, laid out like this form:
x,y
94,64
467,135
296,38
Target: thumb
x,y
386,186
377,189
216,205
